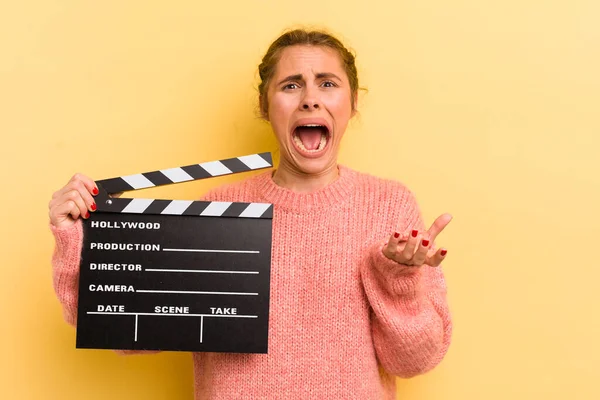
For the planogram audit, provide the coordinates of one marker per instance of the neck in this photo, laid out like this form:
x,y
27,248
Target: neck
x,y
302,182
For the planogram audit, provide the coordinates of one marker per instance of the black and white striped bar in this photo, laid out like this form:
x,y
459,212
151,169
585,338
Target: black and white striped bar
x,y
187,207
188,173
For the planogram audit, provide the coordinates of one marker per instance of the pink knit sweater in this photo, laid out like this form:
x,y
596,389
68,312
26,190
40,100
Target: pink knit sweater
x,y
344,319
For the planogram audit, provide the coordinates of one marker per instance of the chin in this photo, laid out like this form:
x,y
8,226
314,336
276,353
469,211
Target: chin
x,y
315,166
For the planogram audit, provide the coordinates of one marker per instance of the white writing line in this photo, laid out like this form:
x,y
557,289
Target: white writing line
x,y
168,315
136,324
206,271
201,327
195,292
215,251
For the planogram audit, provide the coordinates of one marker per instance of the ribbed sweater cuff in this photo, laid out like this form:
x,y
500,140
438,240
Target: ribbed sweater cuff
x,y
397,279
68,241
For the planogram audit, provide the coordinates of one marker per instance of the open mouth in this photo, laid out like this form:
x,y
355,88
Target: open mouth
x,y
311,138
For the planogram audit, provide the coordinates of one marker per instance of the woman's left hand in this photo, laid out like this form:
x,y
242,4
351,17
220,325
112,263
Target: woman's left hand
x,y
414,248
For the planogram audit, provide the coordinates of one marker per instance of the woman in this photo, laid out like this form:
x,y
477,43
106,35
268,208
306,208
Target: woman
x,y
357,295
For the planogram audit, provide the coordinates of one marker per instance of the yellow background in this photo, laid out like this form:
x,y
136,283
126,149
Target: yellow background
x,y
486,109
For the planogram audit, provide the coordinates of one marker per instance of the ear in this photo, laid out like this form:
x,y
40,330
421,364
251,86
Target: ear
x,y
263,112
355,104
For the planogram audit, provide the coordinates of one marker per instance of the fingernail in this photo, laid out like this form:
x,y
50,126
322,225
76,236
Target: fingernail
x,y
414,233
425,242
396,235
93,206
95,191
87,215
443,252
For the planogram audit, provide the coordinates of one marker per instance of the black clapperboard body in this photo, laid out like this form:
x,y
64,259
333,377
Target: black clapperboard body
x,y
175,274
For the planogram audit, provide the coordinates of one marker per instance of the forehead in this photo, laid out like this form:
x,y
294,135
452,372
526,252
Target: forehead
x,y
301,59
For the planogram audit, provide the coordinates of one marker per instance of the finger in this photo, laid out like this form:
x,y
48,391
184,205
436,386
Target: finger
x,y
392,245
75,197
438,225
78,181
67,188
409,250
86,195
437,258
421,253
87,182
64,212
82,188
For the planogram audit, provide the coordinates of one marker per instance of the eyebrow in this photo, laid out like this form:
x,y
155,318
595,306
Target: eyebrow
x,y
298,77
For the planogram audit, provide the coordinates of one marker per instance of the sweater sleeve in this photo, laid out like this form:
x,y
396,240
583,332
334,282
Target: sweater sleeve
x,y
66,259
65,268
411,323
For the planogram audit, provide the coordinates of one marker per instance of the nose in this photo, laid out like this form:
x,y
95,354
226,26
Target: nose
x,y
310,101
307,106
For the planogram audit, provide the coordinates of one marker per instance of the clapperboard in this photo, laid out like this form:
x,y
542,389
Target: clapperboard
x,y
175,274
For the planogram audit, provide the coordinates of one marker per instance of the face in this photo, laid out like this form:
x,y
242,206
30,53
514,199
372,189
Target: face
x,y
309,106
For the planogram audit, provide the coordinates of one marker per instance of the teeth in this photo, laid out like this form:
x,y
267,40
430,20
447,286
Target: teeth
x,y
321,146
323,142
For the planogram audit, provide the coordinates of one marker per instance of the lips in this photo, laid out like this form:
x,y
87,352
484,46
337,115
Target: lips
x,y
311,136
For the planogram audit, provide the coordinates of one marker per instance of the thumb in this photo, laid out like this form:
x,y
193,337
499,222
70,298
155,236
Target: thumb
x,y
438,225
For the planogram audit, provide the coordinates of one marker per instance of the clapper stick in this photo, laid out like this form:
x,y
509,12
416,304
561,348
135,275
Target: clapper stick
x,y
184,174
176,274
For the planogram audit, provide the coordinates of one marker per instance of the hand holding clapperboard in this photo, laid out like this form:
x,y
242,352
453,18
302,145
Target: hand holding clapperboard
x,y
176,274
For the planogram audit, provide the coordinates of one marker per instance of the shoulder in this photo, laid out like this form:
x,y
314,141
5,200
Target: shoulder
x,y
387,199
379,188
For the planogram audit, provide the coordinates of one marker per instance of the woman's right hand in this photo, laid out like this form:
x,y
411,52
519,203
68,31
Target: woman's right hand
x,y
72,201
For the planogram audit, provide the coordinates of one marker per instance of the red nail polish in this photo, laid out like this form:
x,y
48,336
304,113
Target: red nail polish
x,y
95,191
425,242
414,233
87,215
443,252
93,206
396,235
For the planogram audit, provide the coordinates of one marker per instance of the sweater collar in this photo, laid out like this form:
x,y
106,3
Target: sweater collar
x,y
334,193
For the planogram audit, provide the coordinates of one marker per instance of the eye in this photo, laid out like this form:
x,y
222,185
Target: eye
x,y
290,86
328,84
